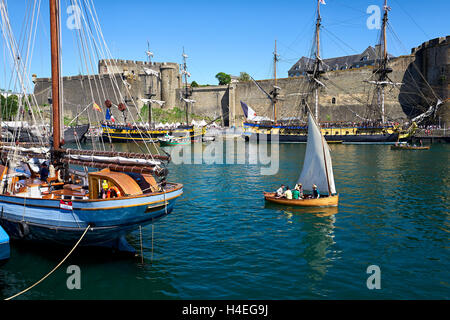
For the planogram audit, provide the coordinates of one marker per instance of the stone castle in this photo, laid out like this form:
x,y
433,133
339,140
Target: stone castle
x,y
344,98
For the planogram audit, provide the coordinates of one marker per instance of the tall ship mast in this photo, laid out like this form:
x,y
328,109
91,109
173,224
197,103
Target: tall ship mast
x,y
276,89
369,130
317,71
148,132
58,204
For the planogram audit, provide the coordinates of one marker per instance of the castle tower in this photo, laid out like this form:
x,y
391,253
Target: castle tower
x,y
169,81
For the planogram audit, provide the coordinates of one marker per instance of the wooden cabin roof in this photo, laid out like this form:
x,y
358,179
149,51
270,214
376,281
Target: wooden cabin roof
x,y
123,181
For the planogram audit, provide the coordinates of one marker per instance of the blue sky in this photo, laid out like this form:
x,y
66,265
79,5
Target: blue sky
x,y
233,36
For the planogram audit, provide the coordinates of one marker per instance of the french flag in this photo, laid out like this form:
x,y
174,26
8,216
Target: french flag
x,y
65,205
249,113
322,1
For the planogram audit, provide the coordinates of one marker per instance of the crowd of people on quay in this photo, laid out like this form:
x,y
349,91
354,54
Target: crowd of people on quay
x,y
344,124
430,130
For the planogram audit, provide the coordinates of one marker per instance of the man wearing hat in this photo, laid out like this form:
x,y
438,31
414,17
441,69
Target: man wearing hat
x,y
316,193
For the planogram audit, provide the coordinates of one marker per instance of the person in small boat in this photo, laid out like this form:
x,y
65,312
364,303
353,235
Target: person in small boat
x,y
299,187
295,193
280,191
44,172
288,194
104,191
316,193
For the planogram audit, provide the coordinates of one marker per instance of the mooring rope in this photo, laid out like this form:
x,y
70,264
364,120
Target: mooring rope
x,y
54,269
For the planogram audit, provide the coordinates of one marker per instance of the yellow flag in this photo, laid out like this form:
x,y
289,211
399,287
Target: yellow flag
x,y
96,107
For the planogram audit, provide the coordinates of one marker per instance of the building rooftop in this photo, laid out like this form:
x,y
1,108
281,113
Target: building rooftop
x,y
366,58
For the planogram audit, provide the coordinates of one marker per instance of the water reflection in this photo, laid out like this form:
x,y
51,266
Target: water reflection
x,y
316,225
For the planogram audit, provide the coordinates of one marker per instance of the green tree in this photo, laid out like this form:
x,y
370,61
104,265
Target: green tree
x,y
244,76
9,107
223,78
194,84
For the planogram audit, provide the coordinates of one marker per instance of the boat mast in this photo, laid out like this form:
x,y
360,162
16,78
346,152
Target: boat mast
x,y
318,63
186,94
55,56
151,94
275,89
384,62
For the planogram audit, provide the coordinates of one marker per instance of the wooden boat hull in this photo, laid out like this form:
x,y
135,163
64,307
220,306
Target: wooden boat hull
x,y
4,245
118,133
111,219
321,202
76,133
71,134
257,132
350,138
409,148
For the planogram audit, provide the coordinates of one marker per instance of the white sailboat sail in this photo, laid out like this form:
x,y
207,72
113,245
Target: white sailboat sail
x,y
317,166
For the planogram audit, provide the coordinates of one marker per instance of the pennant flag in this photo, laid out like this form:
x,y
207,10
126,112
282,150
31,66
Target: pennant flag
x,y
322,1
96,107
249,113
108,115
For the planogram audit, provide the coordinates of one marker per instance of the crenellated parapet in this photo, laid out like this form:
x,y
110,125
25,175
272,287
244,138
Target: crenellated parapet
x,y
441,41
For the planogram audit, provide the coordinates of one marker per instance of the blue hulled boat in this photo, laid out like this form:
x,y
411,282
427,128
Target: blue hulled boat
x,y
61,216
4,245
59,204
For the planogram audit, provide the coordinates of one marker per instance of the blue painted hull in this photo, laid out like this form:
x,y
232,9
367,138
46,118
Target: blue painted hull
x,y
110,220
4,245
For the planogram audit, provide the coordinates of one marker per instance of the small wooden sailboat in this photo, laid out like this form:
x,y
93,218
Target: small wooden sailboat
x,y
4,245
317,170
409,147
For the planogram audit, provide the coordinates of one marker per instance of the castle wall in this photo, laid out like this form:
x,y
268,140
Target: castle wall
x,y
347,95
433,58
346,88
80,91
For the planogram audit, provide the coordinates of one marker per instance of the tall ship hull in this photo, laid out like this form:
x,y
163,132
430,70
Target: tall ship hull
x,y
299,134
123,133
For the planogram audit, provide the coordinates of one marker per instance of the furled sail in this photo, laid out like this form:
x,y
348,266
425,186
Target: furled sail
x,y
317,166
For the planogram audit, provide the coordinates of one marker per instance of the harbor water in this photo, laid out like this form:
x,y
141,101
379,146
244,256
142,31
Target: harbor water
x,y
222,241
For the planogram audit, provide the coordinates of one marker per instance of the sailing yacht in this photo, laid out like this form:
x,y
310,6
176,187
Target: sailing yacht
x,y
317,171
130,190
